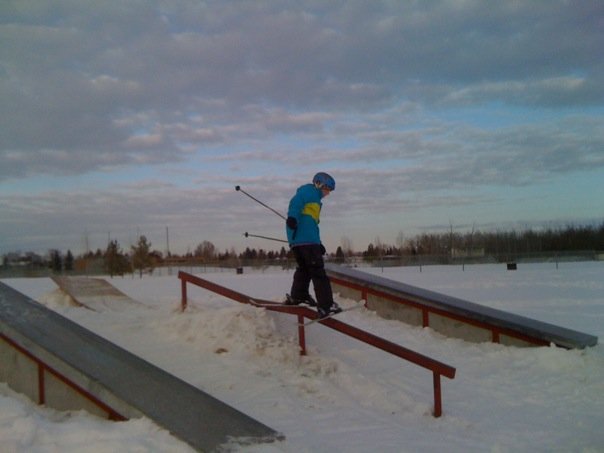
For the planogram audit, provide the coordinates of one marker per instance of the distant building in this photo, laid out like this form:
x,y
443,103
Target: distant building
x,y
22,259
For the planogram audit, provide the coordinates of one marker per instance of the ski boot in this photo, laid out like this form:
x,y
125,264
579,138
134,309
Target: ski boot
x,y
332,310
308,300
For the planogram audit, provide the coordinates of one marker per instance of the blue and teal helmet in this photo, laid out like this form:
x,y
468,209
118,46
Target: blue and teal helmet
x,y
323,180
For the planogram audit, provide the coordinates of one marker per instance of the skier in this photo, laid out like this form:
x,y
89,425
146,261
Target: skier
x,y
302,228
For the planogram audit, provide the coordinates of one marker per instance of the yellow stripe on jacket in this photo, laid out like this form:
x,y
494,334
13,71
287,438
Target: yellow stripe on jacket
x,y
313,210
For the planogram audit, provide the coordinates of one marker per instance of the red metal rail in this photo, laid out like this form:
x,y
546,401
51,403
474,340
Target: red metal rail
x,y
438,368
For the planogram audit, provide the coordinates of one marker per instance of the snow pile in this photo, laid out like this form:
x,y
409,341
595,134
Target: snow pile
x,y
242,331
347,396
57,299
25,427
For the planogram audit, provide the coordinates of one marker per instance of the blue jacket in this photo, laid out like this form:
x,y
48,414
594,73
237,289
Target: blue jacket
x,y
305,207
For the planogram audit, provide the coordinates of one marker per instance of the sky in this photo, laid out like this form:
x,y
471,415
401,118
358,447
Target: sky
x,y
126,117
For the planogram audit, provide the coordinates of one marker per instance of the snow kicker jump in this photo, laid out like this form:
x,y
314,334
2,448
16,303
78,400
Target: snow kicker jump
x,y
94,293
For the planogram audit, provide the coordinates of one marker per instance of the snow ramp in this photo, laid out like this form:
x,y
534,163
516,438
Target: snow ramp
x,y
94,293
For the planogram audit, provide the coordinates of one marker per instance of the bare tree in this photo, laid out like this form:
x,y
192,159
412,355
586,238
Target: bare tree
x,y
346,243
206,251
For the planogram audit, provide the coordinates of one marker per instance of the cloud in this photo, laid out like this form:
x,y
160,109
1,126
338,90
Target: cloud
x,y
60,219
548,92
398,98
73,73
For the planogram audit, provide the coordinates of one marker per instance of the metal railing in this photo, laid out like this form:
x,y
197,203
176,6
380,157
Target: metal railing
x,y
437,368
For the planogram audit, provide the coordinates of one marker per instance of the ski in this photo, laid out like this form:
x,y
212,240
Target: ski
x,y
271,304
262,302
329,316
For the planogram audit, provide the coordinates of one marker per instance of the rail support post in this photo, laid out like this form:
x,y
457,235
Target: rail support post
x,y
183,297
301,335
437,396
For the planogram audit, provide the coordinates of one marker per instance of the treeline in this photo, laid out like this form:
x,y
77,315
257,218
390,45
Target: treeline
x,y
140,258
499,243
143,259
502,245
113,260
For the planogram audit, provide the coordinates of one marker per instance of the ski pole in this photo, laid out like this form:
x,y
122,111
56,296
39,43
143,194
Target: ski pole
x,y
246,234
239,189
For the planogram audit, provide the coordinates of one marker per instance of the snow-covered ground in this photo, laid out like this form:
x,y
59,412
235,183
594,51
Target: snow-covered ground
x,y
346,396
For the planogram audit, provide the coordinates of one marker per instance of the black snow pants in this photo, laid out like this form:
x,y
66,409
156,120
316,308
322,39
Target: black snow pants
x,y
309,259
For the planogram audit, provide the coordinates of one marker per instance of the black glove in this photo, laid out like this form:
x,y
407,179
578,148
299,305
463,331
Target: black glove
x,y
323,251
292,223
